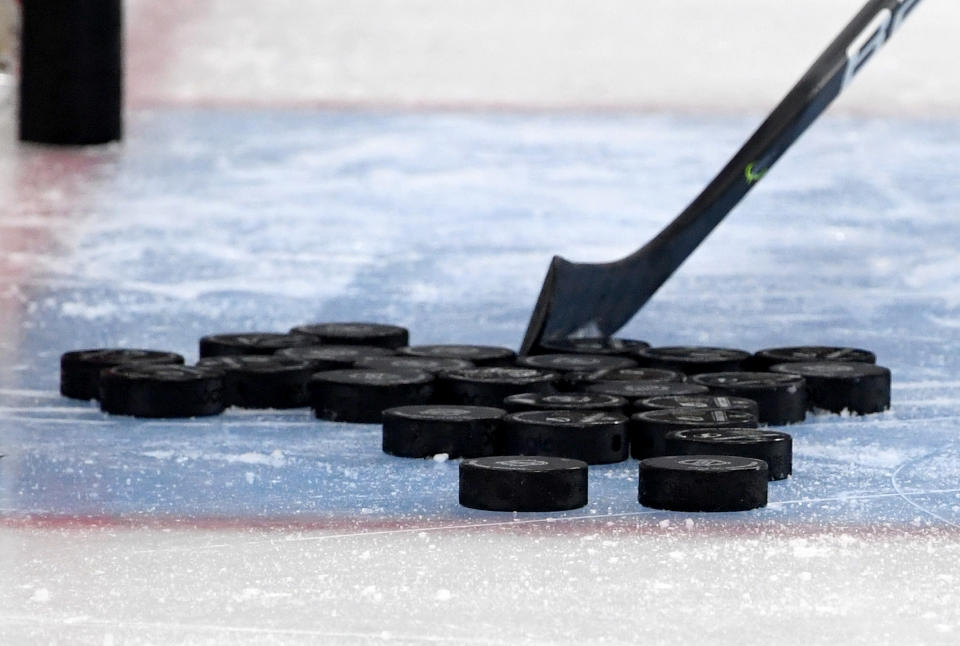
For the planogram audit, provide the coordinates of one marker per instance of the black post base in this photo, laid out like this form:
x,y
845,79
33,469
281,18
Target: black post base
x,y
71,72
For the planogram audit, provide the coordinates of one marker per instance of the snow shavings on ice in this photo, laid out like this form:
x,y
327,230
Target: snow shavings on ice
x,y
854,451
274,459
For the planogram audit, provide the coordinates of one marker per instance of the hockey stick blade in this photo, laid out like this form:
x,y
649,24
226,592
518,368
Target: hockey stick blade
x,y
597,299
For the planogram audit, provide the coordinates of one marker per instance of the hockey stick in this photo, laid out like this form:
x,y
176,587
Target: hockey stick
x,y
598,299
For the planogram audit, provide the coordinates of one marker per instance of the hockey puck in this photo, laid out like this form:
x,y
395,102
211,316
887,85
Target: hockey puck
x,y
593,345
219,345
433,365
575,362
596,437
80,369
763,359
634,390
258,381
157,390
565,401
490,385
692,360
860,388
637,374
375,334
648,429
361,396
522,483
458,431
332,357
781,398
698,402
575,369
480,355
703,483
774,448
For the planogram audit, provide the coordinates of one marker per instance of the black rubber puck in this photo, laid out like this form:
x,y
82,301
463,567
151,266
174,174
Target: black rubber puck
x,y
523,483
692,360
424,431
480,355
575,369
634,390
359,395
156,390
575,362
594,345
80,369
860,388
565,401
259,381
648,429
375,334
596,437
774,448
782,398
432,365
637,374
763,359
490,385
698,402
332,357
220,345
703,483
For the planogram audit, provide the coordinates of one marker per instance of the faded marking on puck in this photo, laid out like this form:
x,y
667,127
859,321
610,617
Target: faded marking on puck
x,y
521,463
705,463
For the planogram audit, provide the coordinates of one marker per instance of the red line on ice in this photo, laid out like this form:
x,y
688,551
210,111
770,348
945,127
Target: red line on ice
x,y
644,523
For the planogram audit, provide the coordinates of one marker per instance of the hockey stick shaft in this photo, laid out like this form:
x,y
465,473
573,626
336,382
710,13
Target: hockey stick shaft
x,y
579,298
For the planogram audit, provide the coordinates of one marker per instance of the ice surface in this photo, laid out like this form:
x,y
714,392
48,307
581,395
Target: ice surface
x,y
261,527
272,527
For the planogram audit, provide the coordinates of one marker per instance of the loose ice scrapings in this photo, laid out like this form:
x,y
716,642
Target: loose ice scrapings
x,y
275,458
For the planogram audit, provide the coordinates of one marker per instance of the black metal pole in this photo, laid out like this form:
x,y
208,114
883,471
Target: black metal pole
x,y
71,72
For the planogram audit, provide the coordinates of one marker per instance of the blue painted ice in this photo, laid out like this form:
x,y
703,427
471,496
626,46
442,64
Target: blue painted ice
x,y
216,221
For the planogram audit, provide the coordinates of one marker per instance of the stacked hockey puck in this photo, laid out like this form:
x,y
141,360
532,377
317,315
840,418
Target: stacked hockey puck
x,y
693,416
308,366
527,428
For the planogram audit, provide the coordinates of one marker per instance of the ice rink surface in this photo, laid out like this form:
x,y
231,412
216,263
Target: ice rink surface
x,y
259,209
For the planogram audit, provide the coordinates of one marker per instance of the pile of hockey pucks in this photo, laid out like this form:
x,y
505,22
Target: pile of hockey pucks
x,y
526,427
